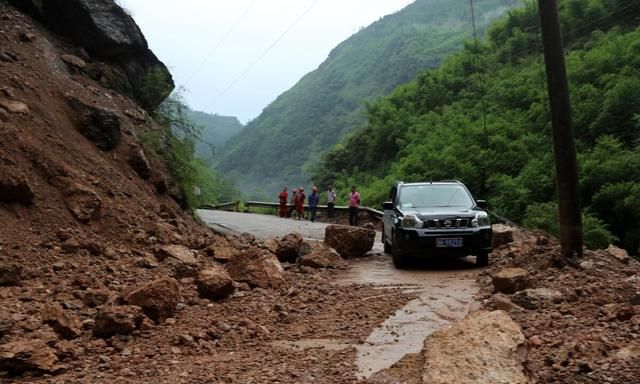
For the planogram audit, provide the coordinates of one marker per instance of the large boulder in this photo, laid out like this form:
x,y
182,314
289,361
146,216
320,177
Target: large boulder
x,y
14,186
108,33
349,241
65,324
33,356
258,268
102,127
158,299
214,283
510,280
117,320
316,254
484,348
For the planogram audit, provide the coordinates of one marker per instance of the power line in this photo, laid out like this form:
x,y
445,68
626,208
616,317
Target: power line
x,y
222,40
269,48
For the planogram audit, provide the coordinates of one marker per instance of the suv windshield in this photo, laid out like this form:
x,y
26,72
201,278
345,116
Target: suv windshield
x,y
434,195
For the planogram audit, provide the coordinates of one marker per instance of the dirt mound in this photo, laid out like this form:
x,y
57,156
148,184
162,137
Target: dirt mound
x,y
581,318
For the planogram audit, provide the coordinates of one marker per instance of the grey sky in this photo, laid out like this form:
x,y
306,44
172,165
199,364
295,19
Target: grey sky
x,y
233,35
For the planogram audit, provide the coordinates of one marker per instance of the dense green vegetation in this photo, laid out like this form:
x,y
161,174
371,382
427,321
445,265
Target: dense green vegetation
x,y
433,127
197,182
215,131
284,144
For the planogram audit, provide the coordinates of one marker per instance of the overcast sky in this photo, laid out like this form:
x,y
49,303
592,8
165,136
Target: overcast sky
x,y
234,57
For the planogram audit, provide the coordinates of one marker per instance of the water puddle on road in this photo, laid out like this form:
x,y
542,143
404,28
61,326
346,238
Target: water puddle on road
x,y
445,294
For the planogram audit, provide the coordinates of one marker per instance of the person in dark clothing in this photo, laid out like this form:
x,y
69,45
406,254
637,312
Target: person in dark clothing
x,y
314,200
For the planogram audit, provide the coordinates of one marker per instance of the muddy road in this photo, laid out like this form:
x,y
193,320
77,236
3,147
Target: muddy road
x,y
443,291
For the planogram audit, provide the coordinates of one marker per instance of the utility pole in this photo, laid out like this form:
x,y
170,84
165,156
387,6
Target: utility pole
x,y
569,216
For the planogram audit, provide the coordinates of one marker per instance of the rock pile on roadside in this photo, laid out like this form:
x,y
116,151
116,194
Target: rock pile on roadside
x,y
581,318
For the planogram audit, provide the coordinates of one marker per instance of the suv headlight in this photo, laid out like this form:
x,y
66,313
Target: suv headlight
x,y
411,221
481,220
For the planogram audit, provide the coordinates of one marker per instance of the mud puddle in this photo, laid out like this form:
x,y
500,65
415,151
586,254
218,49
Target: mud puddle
x,y
445,292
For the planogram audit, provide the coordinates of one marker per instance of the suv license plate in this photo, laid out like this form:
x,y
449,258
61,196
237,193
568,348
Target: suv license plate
x,y
449,242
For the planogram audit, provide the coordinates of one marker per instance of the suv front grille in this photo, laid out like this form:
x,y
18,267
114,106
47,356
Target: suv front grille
x,y
446,223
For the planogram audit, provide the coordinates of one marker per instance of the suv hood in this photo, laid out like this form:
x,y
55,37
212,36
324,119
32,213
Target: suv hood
x,y
436,212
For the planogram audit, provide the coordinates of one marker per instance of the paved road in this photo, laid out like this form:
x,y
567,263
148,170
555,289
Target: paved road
x,y
446,289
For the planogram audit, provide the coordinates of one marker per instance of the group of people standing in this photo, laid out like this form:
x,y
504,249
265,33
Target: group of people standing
x,y
298,198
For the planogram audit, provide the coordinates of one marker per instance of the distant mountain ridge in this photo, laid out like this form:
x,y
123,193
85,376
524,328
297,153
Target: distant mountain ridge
x,y
288,138
216,130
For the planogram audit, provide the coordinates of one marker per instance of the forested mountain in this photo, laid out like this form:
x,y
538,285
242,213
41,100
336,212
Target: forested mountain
x,y
283,145
432,128
215,131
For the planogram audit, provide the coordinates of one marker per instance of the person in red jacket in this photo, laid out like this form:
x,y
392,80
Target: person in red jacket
x,y
300,197
283,196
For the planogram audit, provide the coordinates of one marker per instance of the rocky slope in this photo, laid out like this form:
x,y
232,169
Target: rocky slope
x,y
121,58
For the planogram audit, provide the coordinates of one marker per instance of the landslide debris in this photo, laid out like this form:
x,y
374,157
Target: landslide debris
x,y
581,318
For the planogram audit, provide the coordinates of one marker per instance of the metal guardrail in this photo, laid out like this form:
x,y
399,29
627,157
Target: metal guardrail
x,y
338,208
233,205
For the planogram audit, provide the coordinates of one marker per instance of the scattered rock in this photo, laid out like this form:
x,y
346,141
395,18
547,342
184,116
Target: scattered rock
x,y
138,115
95,298
316,254
289,247
484,348
62,322
222,250
117,320
138,161
83,202
13,106
158,299
10,274
4,56
503,303
258,268
177,252
74,61
349,241
535,298
32,356
214,283
15,187
618,253
26,37
510,280
502,235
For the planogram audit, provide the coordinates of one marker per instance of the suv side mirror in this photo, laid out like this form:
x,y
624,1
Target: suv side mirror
x,y
387,205
482,204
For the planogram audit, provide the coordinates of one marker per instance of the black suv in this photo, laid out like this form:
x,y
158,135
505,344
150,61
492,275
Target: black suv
x,y
435,218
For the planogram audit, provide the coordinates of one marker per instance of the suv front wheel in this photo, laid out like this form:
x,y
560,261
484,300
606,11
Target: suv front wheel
x,y
399,260
482,259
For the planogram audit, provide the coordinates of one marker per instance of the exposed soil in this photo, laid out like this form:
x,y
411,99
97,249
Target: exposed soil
x,y
81,227
591,334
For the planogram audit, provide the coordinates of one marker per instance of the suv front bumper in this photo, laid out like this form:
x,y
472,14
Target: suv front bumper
x,y
423,242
